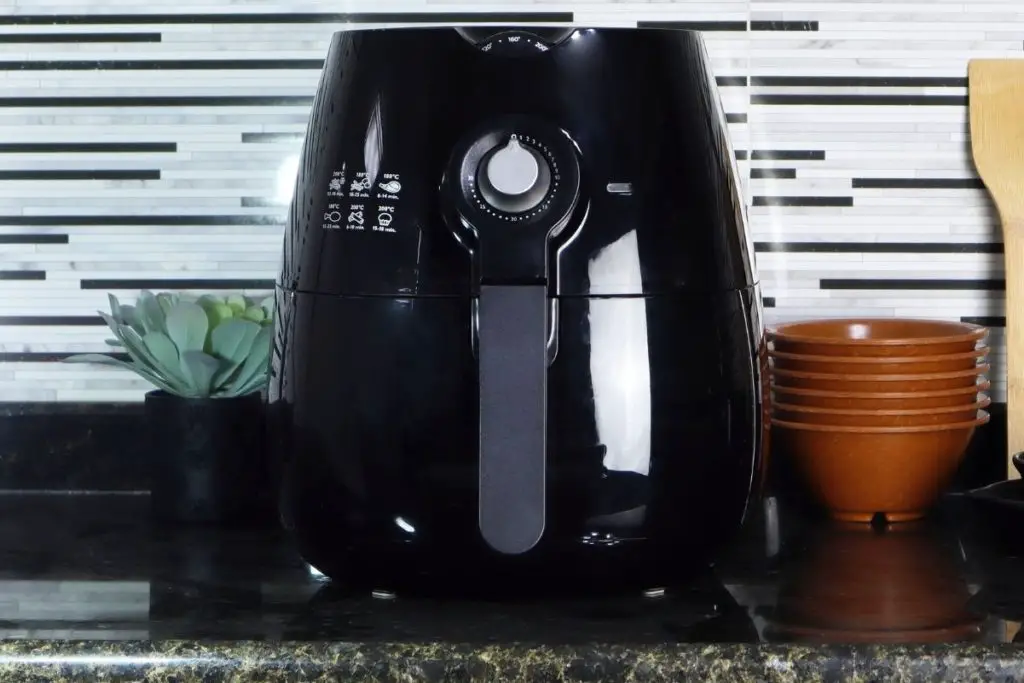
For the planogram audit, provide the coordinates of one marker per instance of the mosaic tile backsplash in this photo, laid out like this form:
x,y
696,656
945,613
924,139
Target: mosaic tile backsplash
x,y
154,144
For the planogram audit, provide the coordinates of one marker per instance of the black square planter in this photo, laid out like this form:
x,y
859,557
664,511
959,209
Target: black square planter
x,y
209,460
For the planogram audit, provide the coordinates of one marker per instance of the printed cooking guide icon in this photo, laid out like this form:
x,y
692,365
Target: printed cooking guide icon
x,y
360,184
335,184
391,186
356,217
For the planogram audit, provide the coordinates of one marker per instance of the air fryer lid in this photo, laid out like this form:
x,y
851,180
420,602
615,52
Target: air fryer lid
x,y
664,211
513,184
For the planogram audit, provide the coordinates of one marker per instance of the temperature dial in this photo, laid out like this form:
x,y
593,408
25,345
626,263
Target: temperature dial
x,y
512,171
514,178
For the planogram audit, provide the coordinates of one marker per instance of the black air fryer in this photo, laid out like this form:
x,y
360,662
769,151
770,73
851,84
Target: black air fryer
x,y
518,320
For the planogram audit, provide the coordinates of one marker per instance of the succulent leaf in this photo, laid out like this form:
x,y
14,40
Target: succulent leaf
x,y
167,301
150,313
256,364
254,313
115,308
187,327
255,383
232,340
130,316
164,351
199,368
219,313
237,303
136,348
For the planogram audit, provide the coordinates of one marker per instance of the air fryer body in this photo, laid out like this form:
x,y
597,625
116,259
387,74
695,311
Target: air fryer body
x,y
518,321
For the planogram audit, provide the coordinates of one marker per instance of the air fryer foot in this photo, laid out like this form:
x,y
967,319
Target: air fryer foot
x,y
379,594
654,593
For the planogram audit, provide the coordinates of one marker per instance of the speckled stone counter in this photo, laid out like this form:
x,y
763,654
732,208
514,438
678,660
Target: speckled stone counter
x,y
90,591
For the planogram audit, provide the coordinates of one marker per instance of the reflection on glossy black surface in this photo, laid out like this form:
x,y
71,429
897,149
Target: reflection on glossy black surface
x,y
94,564
706,612
855,583
413,445
92,592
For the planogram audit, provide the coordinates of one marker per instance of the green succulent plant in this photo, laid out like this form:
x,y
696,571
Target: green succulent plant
x,y
194,347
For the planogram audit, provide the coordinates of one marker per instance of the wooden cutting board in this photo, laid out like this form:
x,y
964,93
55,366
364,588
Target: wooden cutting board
x,y
996,89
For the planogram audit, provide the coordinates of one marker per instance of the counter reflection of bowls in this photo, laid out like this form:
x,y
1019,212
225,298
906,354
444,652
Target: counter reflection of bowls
x,y
879,383
858,472
879,418
899,365
899,400
876,337
859,585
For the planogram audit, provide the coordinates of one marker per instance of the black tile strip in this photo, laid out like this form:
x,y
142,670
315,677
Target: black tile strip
x,y
863,100
803,201
860,81
768,301
928,284
139,220
22,274
783,26
271,137
730,80
52,320
985,320
211,101
779,173
33,239
86,147
789,155
919,183
696,25
46,356
141,174
735,118
285,18
79,37
741,154
881,247
162,65
178,283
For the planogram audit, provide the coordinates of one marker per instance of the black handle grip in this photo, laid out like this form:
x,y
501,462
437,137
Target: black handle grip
x,y
513,355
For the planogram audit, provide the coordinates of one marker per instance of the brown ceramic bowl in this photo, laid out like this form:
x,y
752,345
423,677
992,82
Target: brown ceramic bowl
x,y
898,365
907,400
878,418
858,472
879,383
876,337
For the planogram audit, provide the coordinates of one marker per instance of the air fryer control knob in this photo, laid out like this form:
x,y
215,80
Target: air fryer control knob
x,y
512,170
514,177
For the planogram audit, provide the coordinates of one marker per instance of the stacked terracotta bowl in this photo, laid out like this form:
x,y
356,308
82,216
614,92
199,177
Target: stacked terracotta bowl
x,y
876,414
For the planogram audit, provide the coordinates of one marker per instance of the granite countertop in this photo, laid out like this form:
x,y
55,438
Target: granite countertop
x,y
88,589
